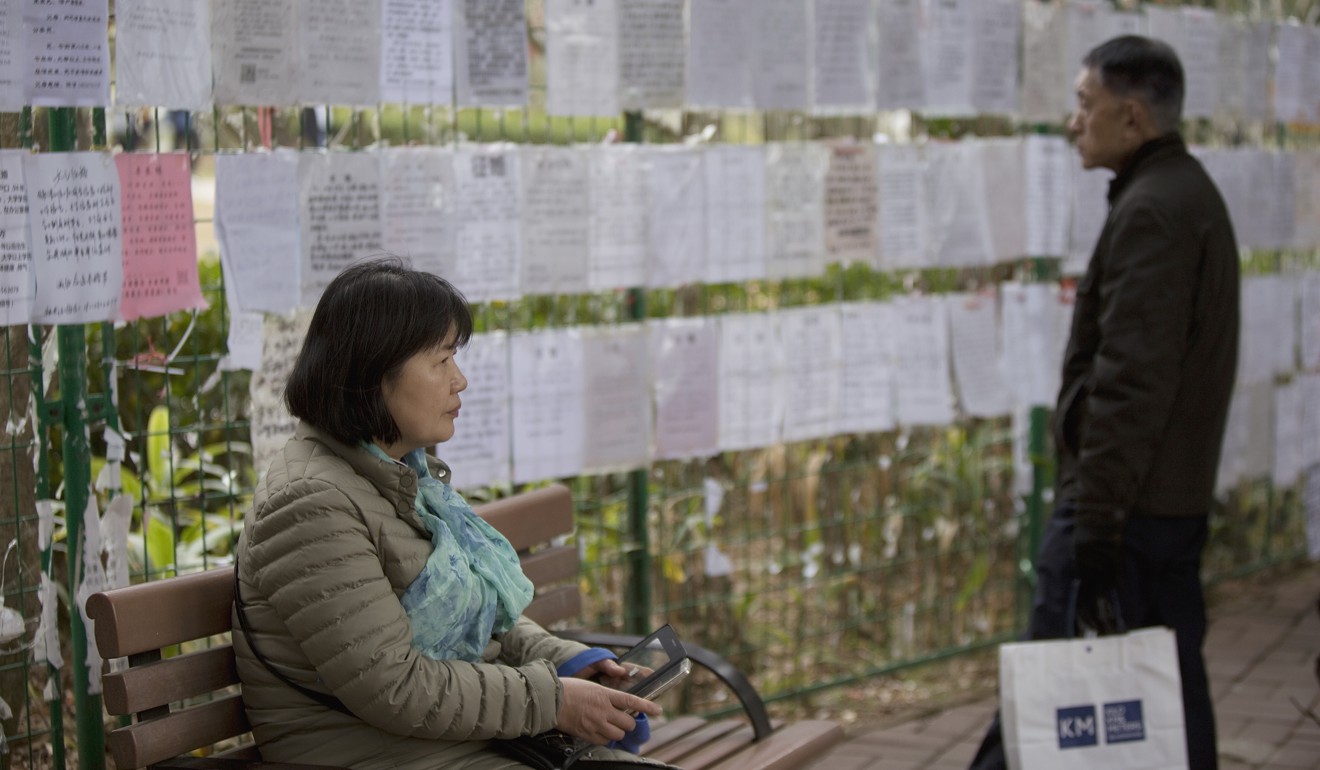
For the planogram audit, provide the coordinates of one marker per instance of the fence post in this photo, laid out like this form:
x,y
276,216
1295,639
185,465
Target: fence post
x,y
77,462
637,594
1041,478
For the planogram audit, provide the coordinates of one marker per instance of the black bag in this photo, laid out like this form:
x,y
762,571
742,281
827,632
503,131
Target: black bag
x,y
554,750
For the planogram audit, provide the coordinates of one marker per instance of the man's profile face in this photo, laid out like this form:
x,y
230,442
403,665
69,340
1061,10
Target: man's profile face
x,y
1102,125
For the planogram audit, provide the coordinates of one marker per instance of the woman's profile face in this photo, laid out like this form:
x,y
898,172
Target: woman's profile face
x,y
423,397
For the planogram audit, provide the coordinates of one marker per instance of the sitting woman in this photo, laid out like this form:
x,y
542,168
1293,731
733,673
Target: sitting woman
x,y
380,618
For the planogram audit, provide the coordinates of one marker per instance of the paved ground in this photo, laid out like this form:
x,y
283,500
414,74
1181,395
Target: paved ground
x,y
1261,653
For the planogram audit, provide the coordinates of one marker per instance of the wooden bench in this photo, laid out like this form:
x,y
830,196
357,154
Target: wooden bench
x,y
140,621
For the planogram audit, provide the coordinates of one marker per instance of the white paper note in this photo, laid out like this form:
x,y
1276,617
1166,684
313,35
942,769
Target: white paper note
x,y
919,345
779,55
974,338
1033,329
852,206
812,340
17,279
582,57
1287,434
751,389
13,57
950,40
651,51
1046,69
488,240
73,220
795,209
957,222
163,53
720,36
339,214
735,213
491,53
620,201
1232,455
1198,50
242,339
479,452
548,388
254,51
998,26
1309,339
618,398
1309,420
67,53
843,56
339,52
1089,209
417,51
256,216
901,179
900,74
418,202
1255,350
1049,165
555,220
1306,200
1258,459
685,375
866,393
1257,70
1283,200
1294,92
272,425
678,207
1003,170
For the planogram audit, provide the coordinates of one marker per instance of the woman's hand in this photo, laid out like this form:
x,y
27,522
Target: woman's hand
x,y
599,714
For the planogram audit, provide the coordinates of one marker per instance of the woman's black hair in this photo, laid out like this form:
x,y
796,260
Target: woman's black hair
x,y
372,318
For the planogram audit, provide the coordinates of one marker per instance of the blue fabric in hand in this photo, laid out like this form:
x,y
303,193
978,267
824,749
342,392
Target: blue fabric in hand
x,y
633,740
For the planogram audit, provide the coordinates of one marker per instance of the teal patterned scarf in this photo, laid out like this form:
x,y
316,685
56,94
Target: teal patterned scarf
x,y
472,585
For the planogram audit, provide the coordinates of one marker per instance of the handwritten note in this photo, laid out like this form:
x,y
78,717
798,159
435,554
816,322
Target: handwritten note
x,y
548,408
852,205
491,53
1198,48
339,198
339,47
1089,207
417,207
73,215
866,392
272,425
1256,356
256,222
719,39
1306,200
13,61
1309,297
620,200
685,370
813,338
163,53
1033,338
556,229
919,349
901,179
950,39
900,75
678,207
974,337
844,56
735,213
751,387
67,53
779,56
1046,69
254,51
795,209
417,51
17,283
242,339
1003,166
479,452
582,57
617,404
651,54
489,253
957,223
997,32
158,236
1308,421
1048,165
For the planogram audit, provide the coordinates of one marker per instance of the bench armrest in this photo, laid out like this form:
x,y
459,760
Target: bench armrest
x,y
725,671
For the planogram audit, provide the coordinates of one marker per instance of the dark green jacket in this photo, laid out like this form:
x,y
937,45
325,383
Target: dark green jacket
x,y
1150,364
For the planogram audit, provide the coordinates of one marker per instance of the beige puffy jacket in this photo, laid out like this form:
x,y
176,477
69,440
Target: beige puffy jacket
x,y
330,545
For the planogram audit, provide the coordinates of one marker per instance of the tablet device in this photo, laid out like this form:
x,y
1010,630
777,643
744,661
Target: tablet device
x,y
654,665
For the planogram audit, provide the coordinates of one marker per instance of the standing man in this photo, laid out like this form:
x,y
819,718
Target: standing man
x,y
1147,380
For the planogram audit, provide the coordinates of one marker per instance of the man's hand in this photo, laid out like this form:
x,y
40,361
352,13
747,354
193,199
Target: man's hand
x,y
1097,547
598,714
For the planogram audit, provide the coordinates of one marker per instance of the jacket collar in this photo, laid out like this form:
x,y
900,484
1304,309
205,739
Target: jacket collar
x,y
1162,147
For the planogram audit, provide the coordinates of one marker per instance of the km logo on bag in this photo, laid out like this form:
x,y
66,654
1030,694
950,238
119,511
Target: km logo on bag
x,y
1123,723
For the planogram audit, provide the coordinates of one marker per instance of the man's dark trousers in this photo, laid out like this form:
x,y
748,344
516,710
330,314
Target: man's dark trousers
x,y
1159,585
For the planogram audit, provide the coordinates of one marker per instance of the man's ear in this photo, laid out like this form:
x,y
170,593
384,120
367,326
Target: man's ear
x,y
1137,118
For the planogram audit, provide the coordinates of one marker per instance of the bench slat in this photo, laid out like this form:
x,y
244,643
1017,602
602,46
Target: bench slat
x,y
531,518
671,730
162,613
169,680
791,746
674,750
716,751
553,565
563,603
153,741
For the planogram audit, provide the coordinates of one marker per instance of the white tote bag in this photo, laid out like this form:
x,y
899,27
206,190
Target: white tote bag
x,y
1100,703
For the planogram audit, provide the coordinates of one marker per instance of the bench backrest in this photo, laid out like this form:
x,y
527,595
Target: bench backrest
x,y
140,621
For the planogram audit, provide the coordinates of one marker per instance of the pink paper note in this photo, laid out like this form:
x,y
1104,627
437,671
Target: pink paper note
x,y
160,242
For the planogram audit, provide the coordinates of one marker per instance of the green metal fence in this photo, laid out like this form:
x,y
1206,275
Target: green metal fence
x,y
850,556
